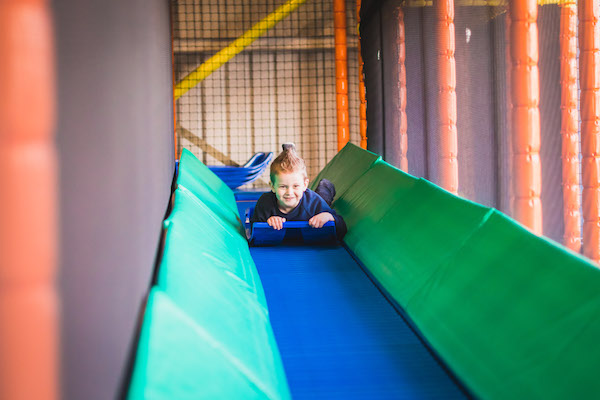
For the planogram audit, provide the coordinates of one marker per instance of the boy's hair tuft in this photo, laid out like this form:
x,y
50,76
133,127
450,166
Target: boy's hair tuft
x,y
287,162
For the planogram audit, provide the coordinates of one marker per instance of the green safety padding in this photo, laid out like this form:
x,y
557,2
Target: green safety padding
x,y
208,187
345,168
403,228
516,316
196,236
513,315
230,314
178,359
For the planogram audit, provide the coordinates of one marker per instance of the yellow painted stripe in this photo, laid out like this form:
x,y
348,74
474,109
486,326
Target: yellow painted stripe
x,y
226,54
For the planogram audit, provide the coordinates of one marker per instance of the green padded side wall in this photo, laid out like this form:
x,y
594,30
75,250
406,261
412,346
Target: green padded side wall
x,y
521,308
402,228
206,331
345,168
178,359
228,310
196,235
208,187
513,315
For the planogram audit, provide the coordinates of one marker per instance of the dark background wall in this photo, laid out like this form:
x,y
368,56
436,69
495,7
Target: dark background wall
x,y
115,142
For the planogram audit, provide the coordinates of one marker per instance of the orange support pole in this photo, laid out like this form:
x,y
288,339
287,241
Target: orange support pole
x,y
402,91
448,162
361,87
511,194
589,54
341,72
525,124
28,181
570,125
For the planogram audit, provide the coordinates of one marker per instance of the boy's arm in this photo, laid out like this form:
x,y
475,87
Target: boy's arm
x,y
262,210
340,224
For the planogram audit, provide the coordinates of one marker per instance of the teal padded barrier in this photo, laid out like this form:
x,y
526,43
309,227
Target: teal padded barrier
x,y
345,168
208,187
178,359
206,331
230,314
196,235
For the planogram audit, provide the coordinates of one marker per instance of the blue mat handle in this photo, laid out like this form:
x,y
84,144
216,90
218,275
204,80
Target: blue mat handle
x,y
298,231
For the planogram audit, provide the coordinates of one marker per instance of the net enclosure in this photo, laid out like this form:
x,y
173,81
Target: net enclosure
x,y
280,88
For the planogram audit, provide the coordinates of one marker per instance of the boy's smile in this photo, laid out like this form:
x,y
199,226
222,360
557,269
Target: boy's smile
x,y
289,189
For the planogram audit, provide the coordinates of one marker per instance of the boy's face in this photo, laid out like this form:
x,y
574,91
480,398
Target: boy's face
x,y
289,189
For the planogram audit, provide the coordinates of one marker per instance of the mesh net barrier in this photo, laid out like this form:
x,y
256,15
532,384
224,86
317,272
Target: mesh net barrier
x,y
279,88
482,100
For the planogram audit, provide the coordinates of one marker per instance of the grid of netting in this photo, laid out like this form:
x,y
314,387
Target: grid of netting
x,y
483,102
281,88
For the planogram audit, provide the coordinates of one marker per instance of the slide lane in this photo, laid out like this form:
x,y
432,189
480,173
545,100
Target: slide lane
x,y
338,335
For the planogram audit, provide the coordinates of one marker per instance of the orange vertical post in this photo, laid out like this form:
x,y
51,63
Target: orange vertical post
x,y
28,180
448,161
569,125
341,72
402,91
511,194
362,111
525,125
589,82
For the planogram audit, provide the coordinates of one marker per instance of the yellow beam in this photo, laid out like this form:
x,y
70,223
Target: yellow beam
x,y
226,54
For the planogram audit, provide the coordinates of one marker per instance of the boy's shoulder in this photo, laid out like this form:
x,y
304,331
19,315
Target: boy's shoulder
x,y
314,198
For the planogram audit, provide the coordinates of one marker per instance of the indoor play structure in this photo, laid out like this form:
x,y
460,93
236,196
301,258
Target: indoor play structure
x,y
461,137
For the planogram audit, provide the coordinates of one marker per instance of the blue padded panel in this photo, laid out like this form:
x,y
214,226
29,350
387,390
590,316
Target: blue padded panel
x,y
299,231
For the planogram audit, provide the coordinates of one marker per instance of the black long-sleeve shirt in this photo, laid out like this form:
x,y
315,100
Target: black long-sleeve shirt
x,y
310,205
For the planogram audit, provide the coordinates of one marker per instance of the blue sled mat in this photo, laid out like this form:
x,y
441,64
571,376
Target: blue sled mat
x,y
338,336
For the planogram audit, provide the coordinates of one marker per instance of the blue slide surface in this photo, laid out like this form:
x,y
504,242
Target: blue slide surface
x,y
338,336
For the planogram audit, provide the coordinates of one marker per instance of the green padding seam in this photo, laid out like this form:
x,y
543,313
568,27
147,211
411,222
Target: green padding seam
x,y
178,359
513,315
346,167
196,235
208,187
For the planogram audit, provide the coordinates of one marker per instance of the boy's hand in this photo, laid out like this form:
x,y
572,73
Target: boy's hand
x,y
320,219
276,222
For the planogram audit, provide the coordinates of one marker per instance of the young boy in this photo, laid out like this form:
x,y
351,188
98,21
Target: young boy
x,y
290,198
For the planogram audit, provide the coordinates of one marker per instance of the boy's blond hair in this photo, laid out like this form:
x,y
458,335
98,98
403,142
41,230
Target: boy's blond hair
x,y
288,162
